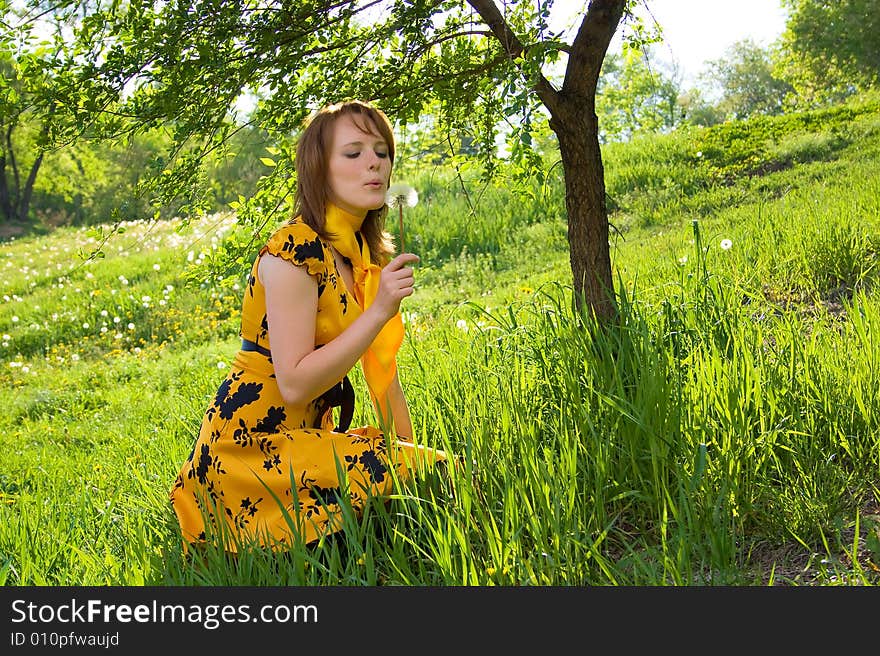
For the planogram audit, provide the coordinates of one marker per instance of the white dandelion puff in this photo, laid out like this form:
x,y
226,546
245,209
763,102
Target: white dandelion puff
x,y
401,195
726,244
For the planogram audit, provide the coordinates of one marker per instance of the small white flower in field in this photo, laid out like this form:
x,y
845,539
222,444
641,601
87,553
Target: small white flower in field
x,y
103,329
461,324
118,335
25,369
14,319
726,244
699,153
85,325
137,349
131,326
145,299
116,319
74,356
236,287
6,337
683,259
221,365
162,302
89,275
156,267
103,313
14,364
401,194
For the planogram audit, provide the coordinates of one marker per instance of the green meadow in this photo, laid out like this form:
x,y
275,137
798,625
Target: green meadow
x,y
726,432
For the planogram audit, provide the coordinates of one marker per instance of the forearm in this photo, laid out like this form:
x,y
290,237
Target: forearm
x,y
399,408
319,370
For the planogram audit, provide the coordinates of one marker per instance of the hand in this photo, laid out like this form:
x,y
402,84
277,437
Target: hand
x,y
395,283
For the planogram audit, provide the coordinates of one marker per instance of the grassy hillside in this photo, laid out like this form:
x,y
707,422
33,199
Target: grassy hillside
x,y
725,433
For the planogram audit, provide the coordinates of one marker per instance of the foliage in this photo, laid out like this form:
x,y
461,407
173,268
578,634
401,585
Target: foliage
x,y
747,82
831,49
635,95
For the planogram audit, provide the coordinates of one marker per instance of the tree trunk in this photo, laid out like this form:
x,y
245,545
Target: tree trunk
x,y
577,129
6,211
24,203
573,119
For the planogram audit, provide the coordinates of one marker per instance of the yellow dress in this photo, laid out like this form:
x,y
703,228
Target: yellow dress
x,y
271,470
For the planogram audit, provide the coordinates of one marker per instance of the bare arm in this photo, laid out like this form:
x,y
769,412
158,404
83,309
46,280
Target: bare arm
x,y
400,416
303,373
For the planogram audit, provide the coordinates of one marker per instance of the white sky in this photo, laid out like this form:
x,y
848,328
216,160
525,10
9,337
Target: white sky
x,y
696,31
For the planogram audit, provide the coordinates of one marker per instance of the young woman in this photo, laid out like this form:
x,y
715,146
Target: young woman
x,y
323,294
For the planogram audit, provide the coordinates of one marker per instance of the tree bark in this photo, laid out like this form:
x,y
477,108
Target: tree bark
x,y
577,129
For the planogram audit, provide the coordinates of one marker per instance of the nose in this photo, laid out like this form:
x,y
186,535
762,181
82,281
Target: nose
x,y
375,161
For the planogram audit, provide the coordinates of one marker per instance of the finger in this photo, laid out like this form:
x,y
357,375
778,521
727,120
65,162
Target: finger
x,y
401,260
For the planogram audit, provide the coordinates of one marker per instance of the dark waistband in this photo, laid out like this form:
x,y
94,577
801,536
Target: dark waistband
x,y
248,345
339,396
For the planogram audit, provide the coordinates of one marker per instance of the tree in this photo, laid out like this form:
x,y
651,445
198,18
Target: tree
x,y
141,63
831,49
747,82
23,134
636,95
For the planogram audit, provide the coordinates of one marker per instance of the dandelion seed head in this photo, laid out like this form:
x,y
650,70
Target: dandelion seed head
x,y
401,195
726,244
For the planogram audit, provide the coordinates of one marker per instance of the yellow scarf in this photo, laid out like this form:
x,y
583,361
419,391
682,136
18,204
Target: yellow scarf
x,y
379,362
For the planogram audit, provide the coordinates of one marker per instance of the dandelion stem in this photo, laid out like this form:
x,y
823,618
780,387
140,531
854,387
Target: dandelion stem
x,y
400,207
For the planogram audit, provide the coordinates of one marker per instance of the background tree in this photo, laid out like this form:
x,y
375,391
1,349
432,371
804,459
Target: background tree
x,y
636,94
140,64
24,131
745,78
831,49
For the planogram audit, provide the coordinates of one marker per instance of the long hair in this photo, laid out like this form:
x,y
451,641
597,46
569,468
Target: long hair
x,y
312,188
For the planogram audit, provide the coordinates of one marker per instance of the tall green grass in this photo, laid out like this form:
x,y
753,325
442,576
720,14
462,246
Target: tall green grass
x,y
723,433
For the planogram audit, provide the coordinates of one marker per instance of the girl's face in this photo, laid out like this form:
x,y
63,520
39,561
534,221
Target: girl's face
x,y
358,168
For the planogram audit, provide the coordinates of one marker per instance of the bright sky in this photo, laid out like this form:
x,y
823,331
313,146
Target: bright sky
x,y
696,31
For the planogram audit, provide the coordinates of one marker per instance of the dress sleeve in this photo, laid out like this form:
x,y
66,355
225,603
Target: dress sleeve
x,y
300,245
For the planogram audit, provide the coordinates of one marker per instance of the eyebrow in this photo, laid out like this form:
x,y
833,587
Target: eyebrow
x,y
361,143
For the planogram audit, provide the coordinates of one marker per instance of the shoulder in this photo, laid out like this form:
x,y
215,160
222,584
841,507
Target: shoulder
x,y
299,244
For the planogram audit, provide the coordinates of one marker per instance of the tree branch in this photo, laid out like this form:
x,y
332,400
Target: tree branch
x,y
513,47
590,45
